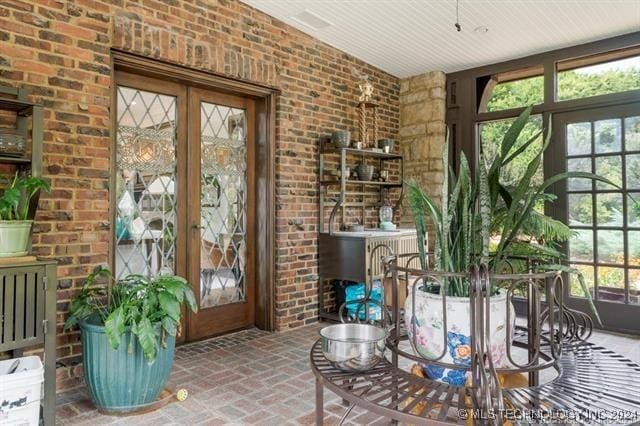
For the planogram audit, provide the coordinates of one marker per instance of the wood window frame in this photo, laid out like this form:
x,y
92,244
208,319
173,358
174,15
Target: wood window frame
x,y
464,115
465,90
265,130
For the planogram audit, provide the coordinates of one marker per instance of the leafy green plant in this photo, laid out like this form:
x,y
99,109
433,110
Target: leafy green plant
x,y
149,307
482,220
17,196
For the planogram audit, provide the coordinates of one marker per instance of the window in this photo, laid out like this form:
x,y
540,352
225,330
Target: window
x,y
514,89
613,72
587,97
491,135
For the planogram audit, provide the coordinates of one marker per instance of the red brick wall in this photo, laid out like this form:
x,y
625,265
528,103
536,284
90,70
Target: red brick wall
x,y
60,51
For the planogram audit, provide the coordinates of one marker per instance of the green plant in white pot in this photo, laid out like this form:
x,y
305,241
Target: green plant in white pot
x,y
15,204
481,221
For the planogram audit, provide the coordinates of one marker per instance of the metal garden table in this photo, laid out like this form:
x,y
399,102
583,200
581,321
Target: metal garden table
x,y
593,384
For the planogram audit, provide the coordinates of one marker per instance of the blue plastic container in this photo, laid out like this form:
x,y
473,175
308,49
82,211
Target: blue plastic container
x,y
354,293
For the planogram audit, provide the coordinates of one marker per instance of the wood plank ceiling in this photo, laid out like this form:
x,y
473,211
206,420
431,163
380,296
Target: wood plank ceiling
x,y
408,37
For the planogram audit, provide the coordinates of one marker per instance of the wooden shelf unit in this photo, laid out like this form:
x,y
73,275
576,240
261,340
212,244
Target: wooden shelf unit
x,y
347,256
366,187
27,285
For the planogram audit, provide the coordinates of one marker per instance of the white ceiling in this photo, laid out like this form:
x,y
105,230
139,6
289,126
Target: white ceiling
x,y
409,37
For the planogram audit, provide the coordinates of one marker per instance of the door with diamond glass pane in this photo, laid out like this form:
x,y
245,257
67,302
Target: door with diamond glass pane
x,y
605,218
146,177
220,205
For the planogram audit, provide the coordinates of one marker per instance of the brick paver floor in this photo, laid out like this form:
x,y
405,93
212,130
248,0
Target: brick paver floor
x,y
252,377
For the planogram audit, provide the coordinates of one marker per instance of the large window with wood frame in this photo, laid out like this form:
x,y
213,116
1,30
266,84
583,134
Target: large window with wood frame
x,y
602,79
612,72
511,90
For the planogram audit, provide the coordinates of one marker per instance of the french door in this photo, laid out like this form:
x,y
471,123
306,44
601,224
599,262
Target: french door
x,y
605,218
221,163
184,201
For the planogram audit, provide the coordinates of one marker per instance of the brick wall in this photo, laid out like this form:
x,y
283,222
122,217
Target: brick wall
x,y
422,133
60,51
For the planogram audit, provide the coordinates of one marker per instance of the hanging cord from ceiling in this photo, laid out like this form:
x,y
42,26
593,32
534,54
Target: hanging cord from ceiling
x,y
457,24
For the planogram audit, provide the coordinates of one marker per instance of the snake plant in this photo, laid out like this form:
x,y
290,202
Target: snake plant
x,y
480,220
150,307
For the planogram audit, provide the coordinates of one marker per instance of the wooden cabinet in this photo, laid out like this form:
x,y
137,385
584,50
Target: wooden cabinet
x,y
353,256
28,318
28,286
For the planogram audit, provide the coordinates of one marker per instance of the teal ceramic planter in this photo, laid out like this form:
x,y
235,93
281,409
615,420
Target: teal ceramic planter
x,y
119,381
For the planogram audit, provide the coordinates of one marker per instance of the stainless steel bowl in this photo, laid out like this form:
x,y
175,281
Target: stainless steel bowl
x,y
353,347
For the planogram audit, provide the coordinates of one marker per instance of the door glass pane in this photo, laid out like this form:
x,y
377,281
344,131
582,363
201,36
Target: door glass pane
x,y
610,246
609,209
609,167
632,133
607,136
580,209
579,165
610,284
634,247
633,171
579,138
633,210
634,286
223,205
581,245
587,274
146,183
611,263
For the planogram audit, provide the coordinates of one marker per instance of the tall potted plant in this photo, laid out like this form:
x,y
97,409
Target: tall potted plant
x,y
15,205
481,221
128,330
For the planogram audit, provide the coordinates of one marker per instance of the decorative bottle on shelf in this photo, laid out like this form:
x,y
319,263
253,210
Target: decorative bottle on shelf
x,y
386,216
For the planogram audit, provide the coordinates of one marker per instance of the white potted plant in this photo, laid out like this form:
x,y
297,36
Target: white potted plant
x,y
481,221
15,224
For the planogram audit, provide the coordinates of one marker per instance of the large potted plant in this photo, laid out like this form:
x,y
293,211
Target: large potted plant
x,y
15,208
128,330
481,221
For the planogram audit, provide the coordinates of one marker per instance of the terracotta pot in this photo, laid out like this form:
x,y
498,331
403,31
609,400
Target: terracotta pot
x,y
428,328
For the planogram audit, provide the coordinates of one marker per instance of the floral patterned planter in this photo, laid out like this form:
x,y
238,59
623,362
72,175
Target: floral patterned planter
x,y
427,323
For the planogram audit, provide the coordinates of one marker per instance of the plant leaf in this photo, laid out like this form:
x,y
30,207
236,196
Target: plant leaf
x,y
147,338
169,325
485,210
511,137
169,304
114,327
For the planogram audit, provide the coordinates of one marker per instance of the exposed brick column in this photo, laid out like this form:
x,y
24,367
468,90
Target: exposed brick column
x,y
422,133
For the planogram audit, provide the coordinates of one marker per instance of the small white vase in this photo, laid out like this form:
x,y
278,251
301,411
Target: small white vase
x,y
428,327
14,237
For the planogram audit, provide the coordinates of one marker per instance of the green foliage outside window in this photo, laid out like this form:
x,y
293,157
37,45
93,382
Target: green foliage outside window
x,y
571,85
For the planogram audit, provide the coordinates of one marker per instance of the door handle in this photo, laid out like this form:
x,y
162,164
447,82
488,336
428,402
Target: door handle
x,y
195,226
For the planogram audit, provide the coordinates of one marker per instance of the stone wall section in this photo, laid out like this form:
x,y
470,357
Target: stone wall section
x,y
422,134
